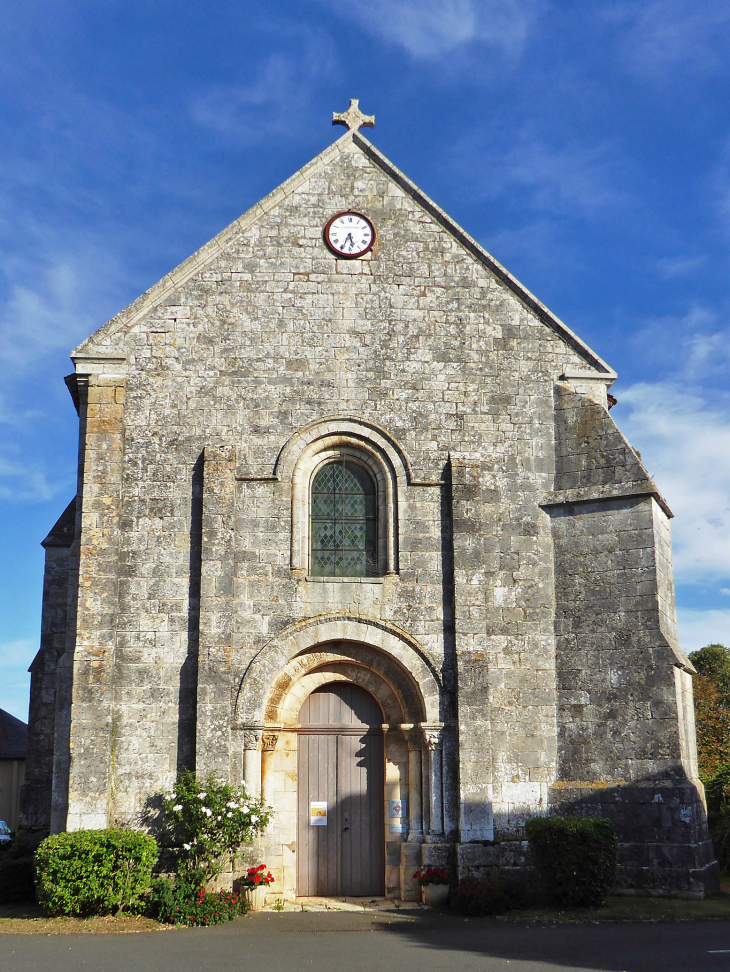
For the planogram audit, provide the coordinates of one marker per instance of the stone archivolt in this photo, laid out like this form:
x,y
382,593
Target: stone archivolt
x,y
369,644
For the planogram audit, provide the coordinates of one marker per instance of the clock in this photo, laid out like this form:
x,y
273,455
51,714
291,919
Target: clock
x,y
349,235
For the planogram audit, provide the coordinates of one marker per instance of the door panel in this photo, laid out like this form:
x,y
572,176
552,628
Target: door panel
x,y
360,800
344,765
317,850
340,704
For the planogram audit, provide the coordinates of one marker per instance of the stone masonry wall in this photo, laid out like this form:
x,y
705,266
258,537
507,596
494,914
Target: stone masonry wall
x,y
616,699
91,739
276,333
37,791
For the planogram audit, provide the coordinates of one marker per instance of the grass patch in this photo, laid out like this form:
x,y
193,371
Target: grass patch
x,y
632,909
30,919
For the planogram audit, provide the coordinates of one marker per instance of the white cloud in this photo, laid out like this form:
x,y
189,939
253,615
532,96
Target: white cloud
x,y
16,414
694,348
435,28
22,482
48,311
666,35
671,267
274,101
700,628
18,653
548,178
52,304
685,443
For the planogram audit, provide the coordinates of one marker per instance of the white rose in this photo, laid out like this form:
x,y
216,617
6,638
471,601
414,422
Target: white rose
x,y
254,819
229,814
186,846
178,807
245,809
219,817
202,796
207,811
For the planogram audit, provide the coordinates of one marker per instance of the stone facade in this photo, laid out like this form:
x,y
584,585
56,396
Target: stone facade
x,y
520,635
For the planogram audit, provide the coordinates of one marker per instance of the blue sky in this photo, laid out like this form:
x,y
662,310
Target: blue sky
x,y
587,146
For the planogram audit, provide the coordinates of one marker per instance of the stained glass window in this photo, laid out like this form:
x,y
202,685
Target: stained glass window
x,y
343,521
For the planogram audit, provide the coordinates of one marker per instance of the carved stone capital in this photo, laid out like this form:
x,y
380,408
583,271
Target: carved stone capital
x,y
252,737
269,741
433,737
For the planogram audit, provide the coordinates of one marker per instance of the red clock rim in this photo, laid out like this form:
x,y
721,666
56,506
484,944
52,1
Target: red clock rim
x,y
349,256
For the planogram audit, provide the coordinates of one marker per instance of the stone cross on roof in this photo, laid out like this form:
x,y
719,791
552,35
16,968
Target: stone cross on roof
x,y
353,118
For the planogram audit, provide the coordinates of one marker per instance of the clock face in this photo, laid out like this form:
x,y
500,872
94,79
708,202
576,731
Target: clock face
x,y
349,234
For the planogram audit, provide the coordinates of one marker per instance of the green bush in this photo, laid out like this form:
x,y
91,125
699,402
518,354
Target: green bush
x,y
185,902
477,898
94,872
17,878
720,833
717,790
575,858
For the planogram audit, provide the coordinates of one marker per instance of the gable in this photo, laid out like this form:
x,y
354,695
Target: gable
x,y
108,341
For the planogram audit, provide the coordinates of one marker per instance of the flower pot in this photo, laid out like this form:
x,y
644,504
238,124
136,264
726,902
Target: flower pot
x,y
256,897
436,895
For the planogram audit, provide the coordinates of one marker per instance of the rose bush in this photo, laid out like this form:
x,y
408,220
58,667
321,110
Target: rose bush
x,y
209,821
255,877
433,875
181,902
478,898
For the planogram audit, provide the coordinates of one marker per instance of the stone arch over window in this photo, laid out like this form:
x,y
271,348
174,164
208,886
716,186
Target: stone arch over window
x,y
345,441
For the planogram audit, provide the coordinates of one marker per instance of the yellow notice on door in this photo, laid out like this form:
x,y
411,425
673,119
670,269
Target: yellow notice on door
x,y
318,814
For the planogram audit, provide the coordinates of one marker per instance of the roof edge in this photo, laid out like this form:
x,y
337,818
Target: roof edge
x,y
140,307
470,244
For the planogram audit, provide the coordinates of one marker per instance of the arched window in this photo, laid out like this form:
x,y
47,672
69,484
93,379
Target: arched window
x,y
344,521
379,472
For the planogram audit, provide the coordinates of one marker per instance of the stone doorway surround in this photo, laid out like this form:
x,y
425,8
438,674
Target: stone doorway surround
x,y
402,679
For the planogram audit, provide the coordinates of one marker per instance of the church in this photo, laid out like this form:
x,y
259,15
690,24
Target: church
x,y
354,525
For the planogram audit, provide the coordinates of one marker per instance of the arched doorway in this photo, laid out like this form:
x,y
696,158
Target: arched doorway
x,y
341,799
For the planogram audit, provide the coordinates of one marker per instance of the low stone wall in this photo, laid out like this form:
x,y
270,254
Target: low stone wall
x,y
664,843
664,848
509,861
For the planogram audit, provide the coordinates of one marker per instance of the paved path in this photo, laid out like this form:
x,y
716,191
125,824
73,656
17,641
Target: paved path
x,y
360,942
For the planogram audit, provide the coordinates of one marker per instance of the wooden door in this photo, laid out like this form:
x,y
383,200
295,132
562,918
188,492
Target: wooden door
x,y
341,762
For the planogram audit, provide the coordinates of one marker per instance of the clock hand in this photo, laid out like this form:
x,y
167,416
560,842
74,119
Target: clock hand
x,y
348,237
